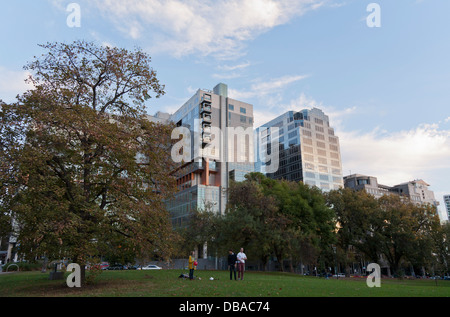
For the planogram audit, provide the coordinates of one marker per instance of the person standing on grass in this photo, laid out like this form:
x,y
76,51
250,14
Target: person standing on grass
x,y
191,265
232,259
241,257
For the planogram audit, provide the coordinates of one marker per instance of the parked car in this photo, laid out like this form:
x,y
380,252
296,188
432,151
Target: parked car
x,y
117,267
104,265
134,267
151,267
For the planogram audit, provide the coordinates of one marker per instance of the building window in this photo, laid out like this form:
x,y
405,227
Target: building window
x,y
308,157
336,171
318,121
335,163
243,110
334,148
321,145
243,119
319,129
321,152
231,107
337,179
334,155
323,169
363,182
332,140
293,142
308,149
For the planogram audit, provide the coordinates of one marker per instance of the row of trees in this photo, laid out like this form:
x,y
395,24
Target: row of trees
x,y
302,225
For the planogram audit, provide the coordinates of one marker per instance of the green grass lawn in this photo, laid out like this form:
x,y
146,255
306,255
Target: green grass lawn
x,y
165,283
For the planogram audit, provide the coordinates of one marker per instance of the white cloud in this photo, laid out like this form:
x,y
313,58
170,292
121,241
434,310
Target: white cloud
x,y
263,88
420,153
234,67
203,27
227,76
231,71
396,157
275,106
12,83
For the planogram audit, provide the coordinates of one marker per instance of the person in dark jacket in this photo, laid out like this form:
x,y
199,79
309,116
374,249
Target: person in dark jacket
x,y
232,264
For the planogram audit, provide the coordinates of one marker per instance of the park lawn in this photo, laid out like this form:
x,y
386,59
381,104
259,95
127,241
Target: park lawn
x,y
165,283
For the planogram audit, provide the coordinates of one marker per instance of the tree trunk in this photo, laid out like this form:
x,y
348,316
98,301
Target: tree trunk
x,y
291,266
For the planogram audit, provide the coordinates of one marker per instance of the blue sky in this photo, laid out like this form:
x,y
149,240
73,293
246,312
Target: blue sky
x,y
386,90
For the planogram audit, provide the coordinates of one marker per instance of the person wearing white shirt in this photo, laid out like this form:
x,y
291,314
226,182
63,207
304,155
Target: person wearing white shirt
x,y
241,257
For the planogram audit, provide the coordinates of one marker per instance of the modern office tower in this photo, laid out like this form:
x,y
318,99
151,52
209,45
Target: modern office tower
x,y
217,149
309,150
447,205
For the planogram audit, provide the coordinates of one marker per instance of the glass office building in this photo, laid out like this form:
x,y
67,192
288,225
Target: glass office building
x,y
447,205
309,150
220,150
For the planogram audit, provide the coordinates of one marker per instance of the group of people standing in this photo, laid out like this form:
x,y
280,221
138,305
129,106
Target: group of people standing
x,y
235,262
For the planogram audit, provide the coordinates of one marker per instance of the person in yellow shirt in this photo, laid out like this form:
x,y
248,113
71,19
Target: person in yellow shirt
x,y
192,265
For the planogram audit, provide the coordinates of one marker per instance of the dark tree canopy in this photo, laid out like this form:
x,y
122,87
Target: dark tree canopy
x,y
90,171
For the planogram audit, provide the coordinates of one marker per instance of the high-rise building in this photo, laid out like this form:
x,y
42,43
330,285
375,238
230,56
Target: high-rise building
x,y
308,149
216,147
447,205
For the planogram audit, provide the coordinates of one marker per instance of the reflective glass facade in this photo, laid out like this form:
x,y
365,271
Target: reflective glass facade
x,y
309,150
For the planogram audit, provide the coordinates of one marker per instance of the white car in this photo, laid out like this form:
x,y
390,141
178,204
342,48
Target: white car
x,y
151,267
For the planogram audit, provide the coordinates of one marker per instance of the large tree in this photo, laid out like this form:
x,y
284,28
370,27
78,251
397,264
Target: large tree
x,y
8,137
276,217
405,231
390,227
355,213
91,168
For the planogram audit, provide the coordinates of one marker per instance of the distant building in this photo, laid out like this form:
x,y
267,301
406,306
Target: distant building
x,y
309,150
416,191
447,205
